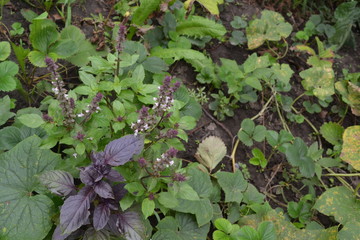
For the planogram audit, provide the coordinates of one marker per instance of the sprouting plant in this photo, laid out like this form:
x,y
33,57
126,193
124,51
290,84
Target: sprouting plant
x,y
199,94
100,194
222,105
17,29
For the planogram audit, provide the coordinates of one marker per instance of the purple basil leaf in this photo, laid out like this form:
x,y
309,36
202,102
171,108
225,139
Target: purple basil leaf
x,y
98,158
58,235
131,224
120,151
58,182
111,226
104,190
75,211
101,216
114,176
92,234
89,175
119,191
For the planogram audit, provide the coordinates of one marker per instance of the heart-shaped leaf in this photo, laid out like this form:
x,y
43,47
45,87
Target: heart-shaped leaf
x,y
210,152
21,208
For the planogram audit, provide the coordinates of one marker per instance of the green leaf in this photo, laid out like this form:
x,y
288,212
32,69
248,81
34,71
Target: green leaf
x,y
168,200
233,185
223,225
11,136
259,133
210,152
147,207
37,58
5,50
200,182
350,231
182,227
64,48
238,23
5,113
135,188
201,208
271,27
259,158
319,81
20,206
237,38
197,26
332,132
296,154
41,39
31,120
8,70
351,147
211,5
187,192
155,65
340,203
177,53
187,122
127,59
267,231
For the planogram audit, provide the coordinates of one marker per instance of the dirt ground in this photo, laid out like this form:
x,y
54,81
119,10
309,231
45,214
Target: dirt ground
x,y
208,125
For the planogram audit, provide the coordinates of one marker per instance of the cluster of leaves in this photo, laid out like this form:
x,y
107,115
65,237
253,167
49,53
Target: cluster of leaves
x,y
117,132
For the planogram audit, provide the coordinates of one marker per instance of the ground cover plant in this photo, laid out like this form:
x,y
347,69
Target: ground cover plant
x,y
169,119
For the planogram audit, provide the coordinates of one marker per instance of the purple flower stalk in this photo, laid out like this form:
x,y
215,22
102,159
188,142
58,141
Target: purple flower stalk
x,y
92,107
66,104
162,105
165,161
121,37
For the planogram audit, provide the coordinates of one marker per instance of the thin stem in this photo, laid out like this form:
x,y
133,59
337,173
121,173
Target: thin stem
x,y
233,153
342,175
297,98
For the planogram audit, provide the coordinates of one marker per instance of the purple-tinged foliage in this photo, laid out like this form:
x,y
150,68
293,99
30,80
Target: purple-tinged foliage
x,y
75,211
100,196
101,216
129,224
58,182
92,234
120,151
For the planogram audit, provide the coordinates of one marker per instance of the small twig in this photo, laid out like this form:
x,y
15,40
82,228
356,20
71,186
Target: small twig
x,y
273,175
219,123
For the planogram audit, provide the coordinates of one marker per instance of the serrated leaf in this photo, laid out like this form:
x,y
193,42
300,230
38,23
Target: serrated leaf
x,y
37,58
155,65
8,70
177,53
319,81
5,113
64,48
233,184
296,154
271,26
201,208
31,120
197,26
20,208
121,150
168,199
5,50
340,203
210,152
332,132
58,182
351,147
223,225
42,39
147,207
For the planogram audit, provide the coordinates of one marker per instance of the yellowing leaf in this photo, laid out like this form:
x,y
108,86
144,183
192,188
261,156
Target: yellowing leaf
x,y
210,152
211,5
351,147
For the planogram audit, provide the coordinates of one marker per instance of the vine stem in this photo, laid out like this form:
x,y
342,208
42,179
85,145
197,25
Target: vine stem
x,y
233,153
346,184
310,124
342,175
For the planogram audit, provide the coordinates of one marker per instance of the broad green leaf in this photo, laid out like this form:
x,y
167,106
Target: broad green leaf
x,y
271,26
142,13
64,48
31,120
182,227
177,53
147,207
200,182
351,147
210,152
223,225
233,184
8,70
187,192
340,203
155,65
319,81
187,122
211,5
297,156
127,59
168,200
197,26
254,62
22,205
350,94
332,132
41,39
37,58
5,50
285,230
11,136
201,208
5,113
350,231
